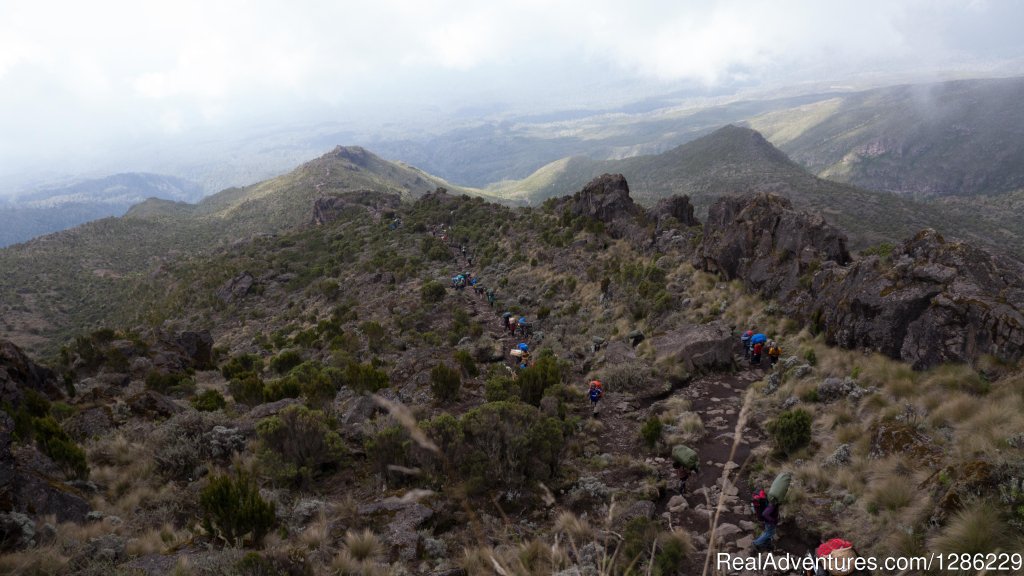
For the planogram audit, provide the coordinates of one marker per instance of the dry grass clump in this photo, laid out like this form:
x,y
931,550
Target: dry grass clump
x,y
362,555
978,528
572,527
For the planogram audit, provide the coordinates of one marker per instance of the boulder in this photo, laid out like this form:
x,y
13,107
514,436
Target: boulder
x,y
89,423
937,302
152,405
327,209
236,288
640,509
762,241
17,531
604,198
18,372
677,207
698,347
832,389
401,531
198,348
271,408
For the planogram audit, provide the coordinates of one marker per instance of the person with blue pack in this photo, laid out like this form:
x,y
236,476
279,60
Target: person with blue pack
x,y
595,394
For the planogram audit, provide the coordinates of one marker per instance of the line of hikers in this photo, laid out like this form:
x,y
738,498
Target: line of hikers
x,y
755,345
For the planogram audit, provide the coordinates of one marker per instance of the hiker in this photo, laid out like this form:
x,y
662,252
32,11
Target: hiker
x,y
833,553
770,517
511,325
683,473
490,297
755,354
745,342
595,394
523,326
773,353
504,320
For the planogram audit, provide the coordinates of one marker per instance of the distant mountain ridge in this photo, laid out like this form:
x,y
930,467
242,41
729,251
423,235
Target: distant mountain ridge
x,y
57,208
958,138
738,160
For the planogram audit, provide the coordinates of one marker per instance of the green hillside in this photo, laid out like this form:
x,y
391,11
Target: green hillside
x,y
736,160
951,138
69,280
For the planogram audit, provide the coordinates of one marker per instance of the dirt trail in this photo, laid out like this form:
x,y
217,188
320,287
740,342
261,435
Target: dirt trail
x,y
718,399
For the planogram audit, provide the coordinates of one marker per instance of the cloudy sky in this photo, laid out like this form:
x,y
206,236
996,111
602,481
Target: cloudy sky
x,y
85,79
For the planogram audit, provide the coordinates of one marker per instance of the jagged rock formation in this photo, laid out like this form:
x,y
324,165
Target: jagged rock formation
x,y
27,491
18,372
761,240
937,302
605,198
678,207
329,208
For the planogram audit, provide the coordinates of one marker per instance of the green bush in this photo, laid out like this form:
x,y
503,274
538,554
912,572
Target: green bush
x,y
432,292
246,388
791,431
365,378
233,509
388,447
318,383
499,388
55,443
209,401
285,361
239,365
172,384
375,335
508,443
296,445
465,360
445,383
534,380
434,249
651,432
287,387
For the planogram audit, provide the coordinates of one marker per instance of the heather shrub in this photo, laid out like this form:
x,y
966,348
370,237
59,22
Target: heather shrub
x,y
445,383
234,511
791,431
296,445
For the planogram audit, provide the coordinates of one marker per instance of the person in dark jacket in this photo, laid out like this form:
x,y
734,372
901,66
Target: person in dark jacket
x,y
771,521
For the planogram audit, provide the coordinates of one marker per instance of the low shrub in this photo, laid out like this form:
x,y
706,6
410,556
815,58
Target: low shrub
x,y
55,443
432,292
171,384
533,381
445,383
651,432
791,431
365,378
296,445
246,388
209,401
465,360
287,387
499,388
285,361
239,365
233,510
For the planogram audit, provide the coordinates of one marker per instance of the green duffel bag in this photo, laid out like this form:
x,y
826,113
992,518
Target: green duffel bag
x,y
777,493
685,456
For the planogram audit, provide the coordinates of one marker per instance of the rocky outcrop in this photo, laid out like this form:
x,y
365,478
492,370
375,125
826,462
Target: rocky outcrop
x,y
936,302
27,491
236,288
930,302
359,202
761,240
18,372
606,198
677,207
698,347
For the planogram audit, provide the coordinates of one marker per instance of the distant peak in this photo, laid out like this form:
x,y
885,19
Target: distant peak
x,y
354,154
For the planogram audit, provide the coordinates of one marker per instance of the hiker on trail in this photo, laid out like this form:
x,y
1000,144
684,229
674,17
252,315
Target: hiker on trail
x,y
595,394
755,354
683,473
510,323
745,342
770,517
490,297
773,353
523,326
